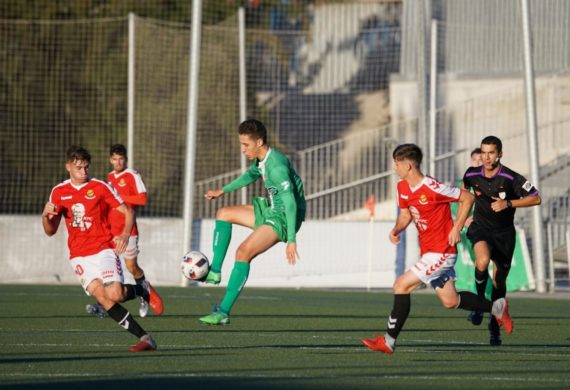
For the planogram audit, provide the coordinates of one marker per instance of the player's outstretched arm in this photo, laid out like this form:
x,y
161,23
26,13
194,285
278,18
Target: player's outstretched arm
x,y
213,194
50,218
246,178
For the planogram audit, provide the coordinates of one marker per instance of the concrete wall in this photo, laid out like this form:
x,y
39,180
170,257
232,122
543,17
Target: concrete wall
x,y
333,254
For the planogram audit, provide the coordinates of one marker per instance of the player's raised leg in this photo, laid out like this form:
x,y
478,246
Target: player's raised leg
x,y
258,242
226,216
466,300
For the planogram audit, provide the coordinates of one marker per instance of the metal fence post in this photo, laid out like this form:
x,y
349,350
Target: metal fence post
x,y
538,225
191,128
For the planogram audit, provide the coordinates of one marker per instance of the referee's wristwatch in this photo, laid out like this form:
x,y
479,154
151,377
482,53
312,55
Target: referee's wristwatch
x,y
509,204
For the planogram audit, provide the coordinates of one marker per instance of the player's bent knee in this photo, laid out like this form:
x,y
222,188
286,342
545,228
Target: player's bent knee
x,y
114,292
482,265
223,214
450,303
400,287
244,252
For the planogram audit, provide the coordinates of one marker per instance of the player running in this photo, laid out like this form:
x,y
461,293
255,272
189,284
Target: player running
x,y
498,192
129,185
275,219
83,201
425,201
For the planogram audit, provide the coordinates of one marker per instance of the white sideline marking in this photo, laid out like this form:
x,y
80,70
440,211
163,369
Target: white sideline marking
x,y
356,347
438,377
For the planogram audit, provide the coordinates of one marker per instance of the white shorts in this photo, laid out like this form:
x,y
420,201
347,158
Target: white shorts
x,y
435,268
104,266
132,250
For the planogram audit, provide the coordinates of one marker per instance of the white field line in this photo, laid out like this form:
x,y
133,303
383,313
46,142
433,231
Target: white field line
x,y
438,377
169,296
356,347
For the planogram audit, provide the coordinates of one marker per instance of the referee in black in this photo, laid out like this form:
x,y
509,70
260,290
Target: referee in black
x,y
498,192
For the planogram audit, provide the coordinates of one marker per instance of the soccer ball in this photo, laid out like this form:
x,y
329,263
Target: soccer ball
x,y
195,265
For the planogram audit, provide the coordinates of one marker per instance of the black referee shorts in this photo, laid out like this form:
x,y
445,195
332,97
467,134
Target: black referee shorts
x,y
501,243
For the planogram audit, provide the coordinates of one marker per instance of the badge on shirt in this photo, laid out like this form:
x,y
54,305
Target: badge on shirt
x,y
527,186
502,195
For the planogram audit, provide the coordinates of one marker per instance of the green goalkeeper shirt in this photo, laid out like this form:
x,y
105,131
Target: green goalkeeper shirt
x,y
284,187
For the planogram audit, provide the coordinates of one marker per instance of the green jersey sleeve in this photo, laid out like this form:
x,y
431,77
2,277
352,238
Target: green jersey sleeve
x,y
280,176
248,177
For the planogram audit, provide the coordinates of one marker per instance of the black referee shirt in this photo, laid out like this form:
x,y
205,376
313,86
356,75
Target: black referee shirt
x,y
506,185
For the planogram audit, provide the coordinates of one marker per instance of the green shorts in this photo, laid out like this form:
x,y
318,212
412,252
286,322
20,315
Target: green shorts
x,y
265,215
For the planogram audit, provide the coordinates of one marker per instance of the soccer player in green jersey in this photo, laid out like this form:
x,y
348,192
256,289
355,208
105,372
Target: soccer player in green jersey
x,y
275,218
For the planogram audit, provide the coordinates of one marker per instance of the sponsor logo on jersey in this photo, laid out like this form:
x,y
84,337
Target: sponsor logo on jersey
x,y
122,182
527,186
502,195
423,199
403,196
285,185
66,197
420,223
90,194
79,219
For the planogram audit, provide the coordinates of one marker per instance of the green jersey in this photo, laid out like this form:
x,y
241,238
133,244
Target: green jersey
x,y
284,187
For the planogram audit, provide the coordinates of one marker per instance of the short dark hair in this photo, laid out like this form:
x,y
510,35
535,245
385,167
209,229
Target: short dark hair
x,y
410,152
475,151
77,153
254,128
492,140
118,149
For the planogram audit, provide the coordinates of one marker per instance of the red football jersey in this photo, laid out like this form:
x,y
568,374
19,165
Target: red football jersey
x,y
126,183
429,205
84,209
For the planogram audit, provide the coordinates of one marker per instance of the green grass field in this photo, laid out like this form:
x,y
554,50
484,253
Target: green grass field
x,y
278,339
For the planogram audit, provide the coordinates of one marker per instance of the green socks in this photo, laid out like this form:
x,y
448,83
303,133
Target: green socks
x,y
235,285
221,242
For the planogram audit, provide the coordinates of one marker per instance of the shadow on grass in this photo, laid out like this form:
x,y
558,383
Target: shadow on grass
x,y
189,382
